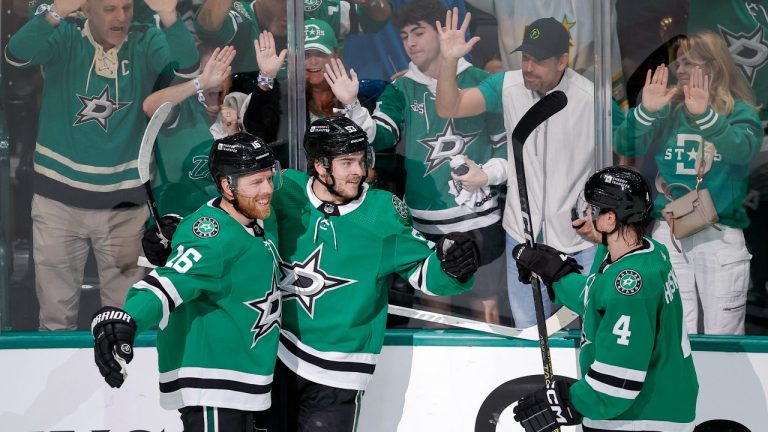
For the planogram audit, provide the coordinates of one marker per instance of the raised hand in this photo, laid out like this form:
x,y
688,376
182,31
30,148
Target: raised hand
x,y
218,67
66,7
452,42
266,55
656,94
162,5
697,92
344,87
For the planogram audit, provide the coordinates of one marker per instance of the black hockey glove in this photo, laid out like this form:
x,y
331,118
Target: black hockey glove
x,y
458,255
547,409
154,250
549,263
113,333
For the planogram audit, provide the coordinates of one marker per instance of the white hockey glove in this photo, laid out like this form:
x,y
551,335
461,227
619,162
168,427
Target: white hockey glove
x,y
547,409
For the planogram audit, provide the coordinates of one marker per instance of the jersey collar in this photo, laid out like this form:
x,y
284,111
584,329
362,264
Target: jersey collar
x,y
342,209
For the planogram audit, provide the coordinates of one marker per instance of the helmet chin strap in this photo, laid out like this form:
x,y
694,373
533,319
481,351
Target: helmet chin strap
x,y
233,188
329,186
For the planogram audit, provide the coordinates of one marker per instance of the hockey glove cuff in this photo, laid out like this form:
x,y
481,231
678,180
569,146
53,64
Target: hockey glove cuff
x,y
458,255
113,333
154,250
547,409
549,263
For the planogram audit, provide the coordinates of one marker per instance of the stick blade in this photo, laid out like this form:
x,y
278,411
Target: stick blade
x,y
148,140
545,108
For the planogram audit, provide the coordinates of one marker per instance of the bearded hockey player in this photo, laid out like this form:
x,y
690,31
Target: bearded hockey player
x,y
635,356
339,240
218,289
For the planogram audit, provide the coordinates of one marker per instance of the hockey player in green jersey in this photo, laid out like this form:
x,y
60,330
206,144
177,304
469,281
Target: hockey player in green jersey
x,y
439,204
638,373
219,289
339,240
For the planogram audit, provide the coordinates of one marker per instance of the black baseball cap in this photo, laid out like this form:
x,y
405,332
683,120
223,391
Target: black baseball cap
x,y
545,38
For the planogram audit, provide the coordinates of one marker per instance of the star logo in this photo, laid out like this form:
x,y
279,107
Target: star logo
x,y
312,5
98,109
305,281
628,282
270,309
749,51
445,145
205,227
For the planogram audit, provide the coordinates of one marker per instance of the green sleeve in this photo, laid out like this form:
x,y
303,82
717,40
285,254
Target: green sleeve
x,y
174,47
196,266
223,35
737,137
569,291
407,253
637,132
491,88
37,43
389,117
623,345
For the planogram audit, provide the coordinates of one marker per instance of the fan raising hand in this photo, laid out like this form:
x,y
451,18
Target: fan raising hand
x,y
656,94
697,92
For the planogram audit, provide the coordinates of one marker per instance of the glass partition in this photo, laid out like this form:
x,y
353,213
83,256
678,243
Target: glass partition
x,y
419,139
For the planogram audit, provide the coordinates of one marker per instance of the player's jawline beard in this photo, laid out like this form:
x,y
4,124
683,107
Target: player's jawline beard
x,y
332,190
241,210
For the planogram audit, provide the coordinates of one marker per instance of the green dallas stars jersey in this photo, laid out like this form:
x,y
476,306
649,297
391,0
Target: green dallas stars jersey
x,y
635,356
182,181
677,137
91,119
218,308
407,106
336,260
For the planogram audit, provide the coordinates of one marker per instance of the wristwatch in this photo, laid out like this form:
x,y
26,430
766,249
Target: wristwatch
x,y
45,7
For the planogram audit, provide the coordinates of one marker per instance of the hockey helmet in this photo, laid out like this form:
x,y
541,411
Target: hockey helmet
x,y
238,154
329,137
621,189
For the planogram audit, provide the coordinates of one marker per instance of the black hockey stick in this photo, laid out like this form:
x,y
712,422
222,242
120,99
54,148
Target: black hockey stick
x,y
545,108
145,156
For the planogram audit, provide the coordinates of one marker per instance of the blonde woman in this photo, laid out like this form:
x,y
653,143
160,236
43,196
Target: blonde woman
x,y
711,108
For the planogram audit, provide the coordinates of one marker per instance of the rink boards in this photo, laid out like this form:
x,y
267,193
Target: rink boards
x,y
426,380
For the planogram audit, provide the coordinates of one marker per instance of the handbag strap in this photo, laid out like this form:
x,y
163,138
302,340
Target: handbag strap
x,y
664,188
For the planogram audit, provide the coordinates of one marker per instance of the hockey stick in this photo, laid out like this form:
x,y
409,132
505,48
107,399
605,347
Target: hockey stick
x,y
145,156
556,322
545,108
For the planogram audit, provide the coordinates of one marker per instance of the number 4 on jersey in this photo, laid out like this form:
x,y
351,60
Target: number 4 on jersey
x,y
621,329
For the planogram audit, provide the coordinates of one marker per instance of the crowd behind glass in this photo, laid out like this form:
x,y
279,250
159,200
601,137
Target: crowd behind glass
x,y
688,85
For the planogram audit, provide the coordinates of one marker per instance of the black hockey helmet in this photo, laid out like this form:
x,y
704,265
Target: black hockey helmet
x,y
329,137
621,189
238,154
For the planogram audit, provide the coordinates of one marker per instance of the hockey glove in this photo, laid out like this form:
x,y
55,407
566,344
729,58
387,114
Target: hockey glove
x,y
547,409
113,333
154,249
458,255
549,263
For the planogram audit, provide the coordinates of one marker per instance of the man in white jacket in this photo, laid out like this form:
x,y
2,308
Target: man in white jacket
x,y
558,154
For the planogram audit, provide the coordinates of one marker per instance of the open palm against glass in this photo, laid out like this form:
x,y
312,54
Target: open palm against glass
x,y
344,86
453,44
656,94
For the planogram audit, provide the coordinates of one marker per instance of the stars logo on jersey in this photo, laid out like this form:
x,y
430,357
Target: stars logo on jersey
x,y
749,51
400,206
418,107
312,5
445,145
305,281
206,227
270,310
628,282
98,109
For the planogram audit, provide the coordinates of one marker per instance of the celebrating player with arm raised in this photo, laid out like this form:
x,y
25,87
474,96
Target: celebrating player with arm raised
x,y
635,356
219,289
